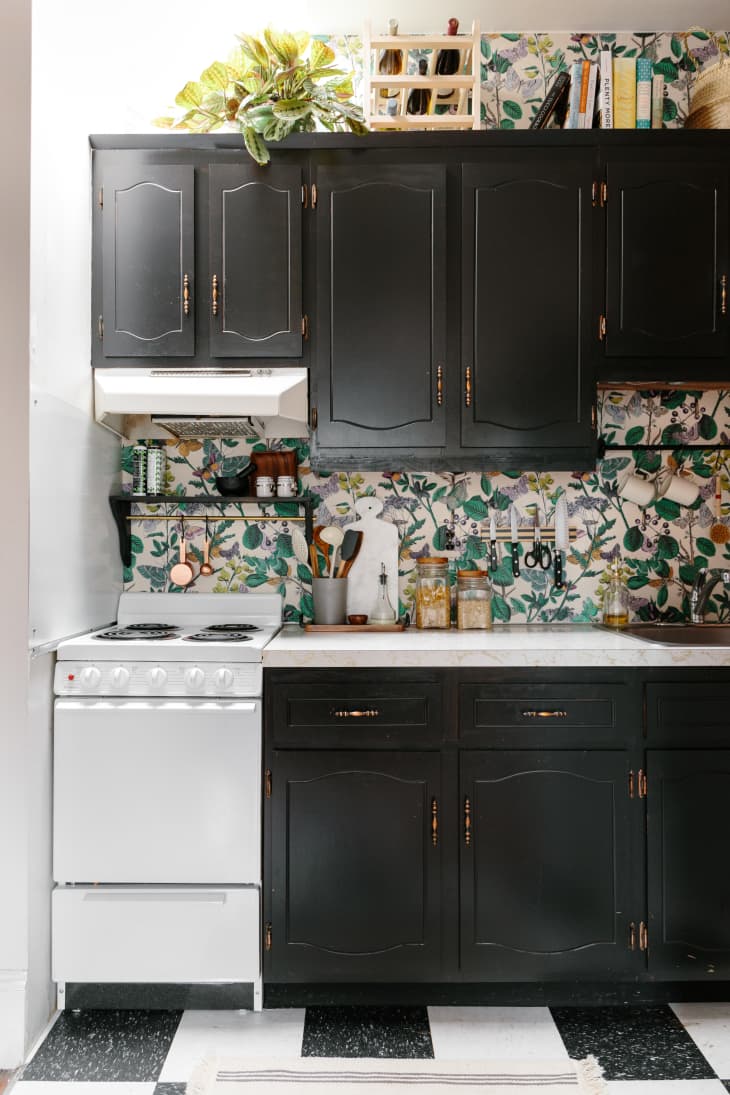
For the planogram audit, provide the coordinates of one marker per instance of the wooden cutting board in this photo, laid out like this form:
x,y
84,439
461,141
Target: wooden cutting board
x,y
380,544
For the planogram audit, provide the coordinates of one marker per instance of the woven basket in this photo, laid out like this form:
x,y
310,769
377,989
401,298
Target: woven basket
x,y
714,116
710,103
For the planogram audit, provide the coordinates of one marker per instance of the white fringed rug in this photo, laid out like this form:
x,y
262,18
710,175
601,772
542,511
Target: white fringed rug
x,y
369,1076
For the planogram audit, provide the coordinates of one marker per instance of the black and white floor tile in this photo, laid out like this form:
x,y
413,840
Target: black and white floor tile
x,y
682,1049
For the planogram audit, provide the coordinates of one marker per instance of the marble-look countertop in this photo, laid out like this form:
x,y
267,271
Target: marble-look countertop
x,y
506,645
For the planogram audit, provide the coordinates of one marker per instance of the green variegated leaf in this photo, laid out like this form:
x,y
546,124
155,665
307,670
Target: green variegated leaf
x,y
255,145
320,54
164,123
254,50
191,95
282,45
292,109
215,76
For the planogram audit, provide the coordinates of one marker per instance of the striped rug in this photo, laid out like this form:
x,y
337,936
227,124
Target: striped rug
x,y
365,1076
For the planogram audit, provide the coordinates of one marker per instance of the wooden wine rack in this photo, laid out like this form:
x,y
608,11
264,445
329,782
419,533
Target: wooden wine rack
x,y
466,79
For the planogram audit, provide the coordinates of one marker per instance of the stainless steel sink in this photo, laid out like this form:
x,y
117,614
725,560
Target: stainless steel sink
x,y
677,634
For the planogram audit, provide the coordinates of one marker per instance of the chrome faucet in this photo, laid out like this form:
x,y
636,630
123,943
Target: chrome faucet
x,y
704,584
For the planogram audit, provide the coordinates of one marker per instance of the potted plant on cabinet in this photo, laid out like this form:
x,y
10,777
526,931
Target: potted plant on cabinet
x,y
270,87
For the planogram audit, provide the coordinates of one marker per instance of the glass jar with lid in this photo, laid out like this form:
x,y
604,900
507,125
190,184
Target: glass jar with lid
x,y
433,597
473,600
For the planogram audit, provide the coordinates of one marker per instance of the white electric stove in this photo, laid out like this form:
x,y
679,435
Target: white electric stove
x,y
157,793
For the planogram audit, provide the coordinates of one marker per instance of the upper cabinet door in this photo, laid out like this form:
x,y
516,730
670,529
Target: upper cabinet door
x,y
381,306
527,255
148,253
255,261
667,253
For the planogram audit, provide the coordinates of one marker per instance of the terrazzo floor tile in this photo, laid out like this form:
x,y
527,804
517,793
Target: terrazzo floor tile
x,y
274,1033
708,1025
665,1087
168,1089
367,1032
80,1087
119,1046
633,1043
500,1033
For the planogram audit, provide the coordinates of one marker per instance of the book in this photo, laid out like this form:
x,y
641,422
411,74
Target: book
x,y
624,92
644,70
591,97
605,97
576,73
584,78
657,102
556,91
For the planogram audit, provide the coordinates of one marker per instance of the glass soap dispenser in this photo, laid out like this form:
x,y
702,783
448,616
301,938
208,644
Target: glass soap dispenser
x,y
616,596
383,613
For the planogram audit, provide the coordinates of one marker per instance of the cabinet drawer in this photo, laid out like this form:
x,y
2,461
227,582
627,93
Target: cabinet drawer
x,y
148,934
356,713
526,714
688,715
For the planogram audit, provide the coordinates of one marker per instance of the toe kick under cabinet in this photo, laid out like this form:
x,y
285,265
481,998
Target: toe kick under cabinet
x,y
517,825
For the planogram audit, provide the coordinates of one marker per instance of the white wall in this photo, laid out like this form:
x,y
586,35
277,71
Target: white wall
x,y
14,280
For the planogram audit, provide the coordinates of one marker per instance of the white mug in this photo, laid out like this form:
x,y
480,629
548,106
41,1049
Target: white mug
x,y
286,486
636,487
264,486
677,488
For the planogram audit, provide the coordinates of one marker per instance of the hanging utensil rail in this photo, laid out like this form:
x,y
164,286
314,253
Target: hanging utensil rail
x,y
121,507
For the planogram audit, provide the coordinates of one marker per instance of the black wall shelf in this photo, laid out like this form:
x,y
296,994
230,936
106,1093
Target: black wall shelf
x,y
121,507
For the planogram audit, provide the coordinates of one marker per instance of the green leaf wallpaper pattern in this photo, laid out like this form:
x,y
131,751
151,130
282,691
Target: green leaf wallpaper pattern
x,y
662,545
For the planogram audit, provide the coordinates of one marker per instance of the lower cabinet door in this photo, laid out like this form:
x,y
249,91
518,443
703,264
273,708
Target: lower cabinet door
x,y
355,880
549,847
688,829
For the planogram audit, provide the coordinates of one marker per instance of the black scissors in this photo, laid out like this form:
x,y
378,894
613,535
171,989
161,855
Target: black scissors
x,y
540,552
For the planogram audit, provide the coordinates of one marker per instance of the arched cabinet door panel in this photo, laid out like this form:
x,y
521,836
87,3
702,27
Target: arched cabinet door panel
x,y
546,889
528,255
148,261
380,350
354,885
255,221
667,254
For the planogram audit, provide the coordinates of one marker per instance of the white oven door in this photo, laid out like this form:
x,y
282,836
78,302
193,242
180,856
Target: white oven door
x,y
157,791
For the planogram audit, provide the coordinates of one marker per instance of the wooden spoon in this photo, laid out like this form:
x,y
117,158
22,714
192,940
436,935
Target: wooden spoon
x,y
322,545
333,536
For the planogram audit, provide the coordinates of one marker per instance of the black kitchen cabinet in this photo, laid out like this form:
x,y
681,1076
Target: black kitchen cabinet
x,y
147,262
666,258
196,260
354,886
255,260
528,310
688,883
546,849
381,279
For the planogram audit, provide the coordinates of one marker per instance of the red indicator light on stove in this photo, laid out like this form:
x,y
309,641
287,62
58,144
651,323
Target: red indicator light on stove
x,y
71,677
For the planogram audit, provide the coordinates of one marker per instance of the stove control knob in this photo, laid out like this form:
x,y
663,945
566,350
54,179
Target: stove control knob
x,y
194,679
224,679
120,677
157,676
90,677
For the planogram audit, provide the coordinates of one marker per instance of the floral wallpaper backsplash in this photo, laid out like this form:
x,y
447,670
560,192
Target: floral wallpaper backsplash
x,y
518,69
662,546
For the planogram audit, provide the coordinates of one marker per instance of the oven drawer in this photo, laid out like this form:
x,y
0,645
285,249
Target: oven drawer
x,y
157,791
131,934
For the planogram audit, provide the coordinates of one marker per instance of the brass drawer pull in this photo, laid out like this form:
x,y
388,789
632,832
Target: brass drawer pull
x,y
434,822
214,294
723,295
467,822
544,714
186,295
439,385
372,714
467,386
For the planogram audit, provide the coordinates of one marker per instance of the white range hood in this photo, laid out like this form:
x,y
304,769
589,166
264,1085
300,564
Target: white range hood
x,y
202,402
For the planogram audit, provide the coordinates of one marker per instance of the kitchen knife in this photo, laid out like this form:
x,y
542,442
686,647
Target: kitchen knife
x,y
492,544
561,539
515,542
